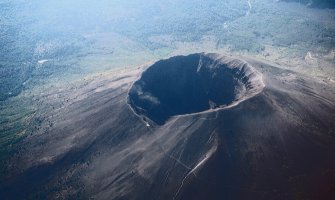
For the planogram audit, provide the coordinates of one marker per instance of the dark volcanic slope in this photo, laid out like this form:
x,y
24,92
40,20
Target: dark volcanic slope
x,y
278,143
191,84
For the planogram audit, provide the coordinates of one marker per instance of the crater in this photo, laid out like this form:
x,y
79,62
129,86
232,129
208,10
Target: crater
x,y
191,84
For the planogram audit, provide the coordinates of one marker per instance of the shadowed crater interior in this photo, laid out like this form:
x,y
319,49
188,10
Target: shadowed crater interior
x,y
191,84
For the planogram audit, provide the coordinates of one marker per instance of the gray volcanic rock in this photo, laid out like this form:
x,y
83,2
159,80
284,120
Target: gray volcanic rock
x,y
191,84
272,138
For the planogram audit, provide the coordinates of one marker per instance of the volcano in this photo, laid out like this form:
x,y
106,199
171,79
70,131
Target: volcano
x,y
202,126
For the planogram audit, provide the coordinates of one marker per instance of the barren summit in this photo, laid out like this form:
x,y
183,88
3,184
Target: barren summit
x,y
250,141
192,84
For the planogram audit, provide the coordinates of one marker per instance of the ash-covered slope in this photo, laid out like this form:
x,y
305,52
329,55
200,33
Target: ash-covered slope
x,y
276,143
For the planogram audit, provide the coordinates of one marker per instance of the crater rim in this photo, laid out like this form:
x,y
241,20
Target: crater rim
x,y
143,100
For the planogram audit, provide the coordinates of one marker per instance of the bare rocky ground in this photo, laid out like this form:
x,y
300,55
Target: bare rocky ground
x,y
278,144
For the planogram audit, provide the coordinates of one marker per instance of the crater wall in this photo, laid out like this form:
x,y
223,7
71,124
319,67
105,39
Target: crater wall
x,y
192,84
